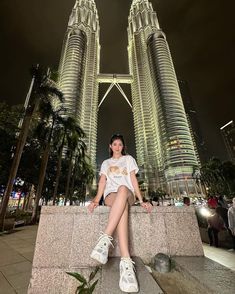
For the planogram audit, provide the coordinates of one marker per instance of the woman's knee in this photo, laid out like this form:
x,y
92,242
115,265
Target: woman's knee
x,y
123,188
124,192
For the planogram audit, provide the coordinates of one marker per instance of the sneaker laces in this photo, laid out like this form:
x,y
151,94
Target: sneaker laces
x,y
128,265
106,239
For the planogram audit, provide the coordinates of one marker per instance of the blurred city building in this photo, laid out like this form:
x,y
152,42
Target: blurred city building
x,y
228,134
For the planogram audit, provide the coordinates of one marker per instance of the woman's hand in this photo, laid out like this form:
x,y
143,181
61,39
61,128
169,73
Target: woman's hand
x,y
147,206
92,206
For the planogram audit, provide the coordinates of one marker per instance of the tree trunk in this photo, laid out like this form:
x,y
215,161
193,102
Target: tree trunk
x,y
16,160
72,188
68,178
58,171
26,200
29,199
42,174
18,205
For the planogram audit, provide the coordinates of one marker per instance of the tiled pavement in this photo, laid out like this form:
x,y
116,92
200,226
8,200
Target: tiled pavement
x,y
222,256
16,255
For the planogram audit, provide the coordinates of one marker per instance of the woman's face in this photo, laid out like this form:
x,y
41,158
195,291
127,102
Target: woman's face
x,y
117,147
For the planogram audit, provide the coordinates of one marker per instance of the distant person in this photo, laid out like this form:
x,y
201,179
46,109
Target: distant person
x,y
186,201
212,202
223,212
215,225
231,223
222,202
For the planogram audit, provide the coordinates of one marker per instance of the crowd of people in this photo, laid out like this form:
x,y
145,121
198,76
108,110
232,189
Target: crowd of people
x,y
221,218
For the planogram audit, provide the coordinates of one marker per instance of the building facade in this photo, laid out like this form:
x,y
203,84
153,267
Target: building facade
x,y
163,139
79,68
165,150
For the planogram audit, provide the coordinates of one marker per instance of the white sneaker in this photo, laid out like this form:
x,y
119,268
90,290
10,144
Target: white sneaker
x,y
128,282
101,250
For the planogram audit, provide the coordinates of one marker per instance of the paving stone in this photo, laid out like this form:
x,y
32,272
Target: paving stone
x,y
20,280
212,275
5,287
28,255
16,268
22,291
10,257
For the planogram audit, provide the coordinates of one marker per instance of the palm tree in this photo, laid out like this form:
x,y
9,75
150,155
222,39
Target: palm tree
x,y
85,177
228,169
75,146
218,176
40,90
49,119
211,175
68,126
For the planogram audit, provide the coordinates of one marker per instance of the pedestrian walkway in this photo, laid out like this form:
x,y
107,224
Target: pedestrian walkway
x,y
222,256
16,255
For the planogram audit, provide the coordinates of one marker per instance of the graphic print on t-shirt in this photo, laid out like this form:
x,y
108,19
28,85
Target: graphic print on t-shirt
x,y
117,171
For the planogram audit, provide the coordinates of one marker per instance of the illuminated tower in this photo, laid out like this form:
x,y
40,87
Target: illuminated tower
x,y
164,144
78,70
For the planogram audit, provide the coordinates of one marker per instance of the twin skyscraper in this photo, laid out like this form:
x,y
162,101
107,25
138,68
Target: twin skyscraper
x,y
165,148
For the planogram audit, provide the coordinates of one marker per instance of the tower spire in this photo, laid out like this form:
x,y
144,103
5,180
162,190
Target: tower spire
x,y
76,4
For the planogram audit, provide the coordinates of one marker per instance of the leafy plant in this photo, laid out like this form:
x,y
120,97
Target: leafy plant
x,y
86,287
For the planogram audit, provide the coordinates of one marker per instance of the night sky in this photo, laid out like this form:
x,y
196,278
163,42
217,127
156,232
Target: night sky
x,y
201,36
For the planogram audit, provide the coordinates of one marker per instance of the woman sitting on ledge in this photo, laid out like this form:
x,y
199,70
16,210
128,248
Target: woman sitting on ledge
x,y
118,184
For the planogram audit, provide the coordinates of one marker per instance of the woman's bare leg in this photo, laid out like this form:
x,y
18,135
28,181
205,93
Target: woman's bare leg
x,y
117,209
122,231
122,224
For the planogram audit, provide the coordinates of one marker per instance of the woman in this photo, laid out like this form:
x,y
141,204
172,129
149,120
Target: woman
x,y
118,184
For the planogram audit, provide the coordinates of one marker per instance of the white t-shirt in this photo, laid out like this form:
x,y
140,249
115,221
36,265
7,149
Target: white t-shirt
x,y
117,172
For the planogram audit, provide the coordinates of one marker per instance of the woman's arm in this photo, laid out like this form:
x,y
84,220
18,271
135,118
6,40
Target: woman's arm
x,y
135,185
145,205
101,187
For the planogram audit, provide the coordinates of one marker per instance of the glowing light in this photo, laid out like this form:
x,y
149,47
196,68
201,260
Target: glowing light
x,y
205,212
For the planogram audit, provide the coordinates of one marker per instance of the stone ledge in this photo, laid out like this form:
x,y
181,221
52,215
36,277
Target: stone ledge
x,y
67,235
105,209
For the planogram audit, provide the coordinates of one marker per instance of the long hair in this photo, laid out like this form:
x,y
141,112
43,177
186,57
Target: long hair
x,y
117,137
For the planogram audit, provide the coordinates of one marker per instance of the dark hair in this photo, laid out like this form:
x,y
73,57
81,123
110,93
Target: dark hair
x,y
117,137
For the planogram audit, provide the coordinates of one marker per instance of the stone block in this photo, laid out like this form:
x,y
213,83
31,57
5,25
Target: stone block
x,y
67,235
53,243
183,233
